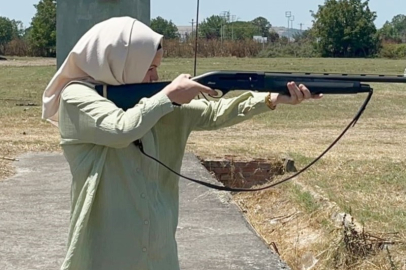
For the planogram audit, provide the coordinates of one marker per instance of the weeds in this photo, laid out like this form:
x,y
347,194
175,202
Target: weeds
x,y
357,246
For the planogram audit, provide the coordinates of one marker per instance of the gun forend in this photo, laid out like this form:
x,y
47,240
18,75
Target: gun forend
x,y
316,86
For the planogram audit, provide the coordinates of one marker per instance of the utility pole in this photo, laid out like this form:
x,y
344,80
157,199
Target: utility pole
x,y
226,16
291,25
193,24
288,14
292,19
301,24
232,26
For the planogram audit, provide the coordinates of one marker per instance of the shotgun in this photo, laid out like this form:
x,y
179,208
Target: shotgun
x,y
126,96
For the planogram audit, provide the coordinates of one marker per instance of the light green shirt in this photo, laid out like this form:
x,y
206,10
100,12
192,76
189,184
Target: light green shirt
x,y
124,206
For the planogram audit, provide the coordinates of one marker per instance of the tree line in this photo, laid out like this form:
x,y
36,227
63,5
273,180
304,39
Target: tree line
x,y
39,39
341,28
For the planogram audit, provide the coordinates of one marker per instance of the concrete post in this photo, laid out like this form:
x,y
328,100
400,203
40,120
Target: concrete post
x,y
75,17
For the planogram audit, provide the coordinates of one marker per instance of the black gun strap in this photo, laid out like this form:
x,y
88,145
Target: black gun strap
x,y
138,144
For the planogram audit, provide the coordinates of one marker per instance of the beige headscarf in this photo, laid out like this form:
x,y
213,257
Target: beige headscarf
x,y
116,51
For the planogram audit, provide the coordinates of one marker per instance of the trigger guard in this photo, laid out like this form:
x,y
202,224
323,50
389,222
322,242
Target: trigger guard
x,y
219,94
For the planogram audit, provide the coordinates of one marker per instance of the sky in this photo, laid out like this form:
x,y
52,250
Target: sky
x,y
181,12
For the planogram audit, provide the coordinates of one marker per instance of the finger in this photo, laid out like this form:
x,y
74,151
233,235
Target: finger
x,y
187,76
305,91
299,93
292,92
317,96
205,89
295,92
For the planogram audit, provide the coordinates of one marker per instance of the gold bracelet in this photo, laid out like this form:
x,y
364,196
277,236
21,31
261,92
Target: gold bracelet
x,y
269,102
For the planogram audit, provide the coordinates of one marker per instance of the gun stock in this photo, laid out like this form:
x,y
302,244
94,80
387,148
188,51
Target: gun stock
x,y
127,96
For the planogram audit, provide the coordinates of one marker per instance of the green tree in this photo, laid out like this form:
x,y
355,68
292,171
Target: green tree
x,y
213,27
6,33
42,35
241,30
18,29
273,37
388,33
263,25
304,36
345,28
26,33
394,31
399,23
164,27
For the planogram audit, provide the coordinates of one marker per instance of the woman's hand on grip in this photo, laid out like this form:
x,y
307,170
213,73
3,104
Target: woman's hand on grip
x,y
182,90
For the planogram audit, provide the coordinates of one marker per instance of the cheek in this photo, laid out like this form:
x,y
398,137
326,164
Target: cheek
x,y
147,77
154,74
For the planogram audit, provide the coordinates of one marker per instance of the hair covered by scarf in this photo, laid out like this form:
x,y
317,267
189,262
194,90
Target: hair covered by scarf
x,y
116,51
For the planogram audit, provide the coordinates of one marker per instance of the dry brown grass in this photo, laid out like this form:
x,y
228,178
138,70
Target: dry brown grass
x,y
22,82
362,175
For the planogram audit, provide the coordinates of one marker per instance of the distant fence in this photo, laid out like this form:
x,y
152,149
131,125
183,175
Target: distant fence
x,y
227,48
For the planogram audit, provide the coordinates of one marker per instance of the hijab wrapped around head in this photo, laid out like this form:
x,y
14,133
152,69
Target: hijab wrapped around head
x,y
116,51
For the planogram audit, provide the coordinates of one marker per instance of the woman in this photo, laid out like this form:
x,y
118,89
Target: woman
x,y
124,206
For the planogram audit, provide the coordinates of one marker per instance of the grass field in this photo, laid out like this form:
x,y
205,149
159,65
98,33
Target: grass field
x,y
364,174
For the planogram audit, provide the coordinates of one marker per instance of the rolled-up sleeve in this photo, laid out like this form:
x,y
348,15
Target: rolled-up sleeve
x,y
87,117
211,115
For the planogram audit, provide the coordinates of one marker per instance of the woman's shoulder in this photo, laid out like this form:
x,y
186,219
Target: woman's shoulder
x,y
78,88
80,85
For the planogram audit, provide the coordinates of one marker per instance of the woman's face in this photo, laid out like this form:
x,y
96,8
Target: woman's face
x,y
152,73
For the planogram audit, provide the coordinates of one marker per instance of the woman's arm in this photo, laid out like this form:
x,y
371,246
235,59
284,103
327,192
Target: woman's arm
x,y
210,115
87,117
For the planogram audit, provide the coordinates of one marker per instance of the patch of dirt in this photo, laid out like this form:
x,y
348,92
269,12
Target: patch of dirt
x,y
29,62
6,168
22,138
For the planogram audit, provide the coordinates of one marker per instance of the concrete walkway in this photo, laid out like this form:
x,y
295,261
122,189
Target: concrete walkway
x,y
34,215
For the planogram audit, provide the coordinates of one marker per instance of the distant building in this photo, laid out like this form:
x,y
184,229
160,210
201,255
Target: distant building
x,y
285,32
184,31
260,39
